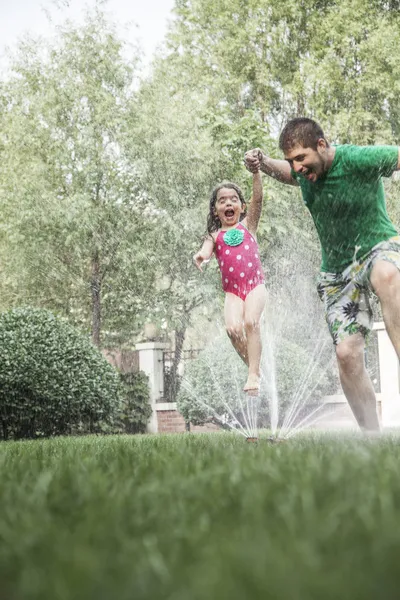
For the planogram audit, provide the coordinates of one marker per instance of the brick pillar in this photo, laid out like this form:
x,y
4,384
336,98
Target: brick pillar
x,y
389,376
151,363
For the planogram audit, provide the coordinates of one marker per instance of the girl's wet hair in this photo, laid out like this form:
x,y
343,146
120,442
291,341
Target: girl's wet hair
x,y
213,222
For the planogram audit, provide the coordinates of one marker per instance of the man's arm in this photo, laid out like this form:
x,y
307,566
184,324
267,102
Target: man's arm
x,y
254,212
278,169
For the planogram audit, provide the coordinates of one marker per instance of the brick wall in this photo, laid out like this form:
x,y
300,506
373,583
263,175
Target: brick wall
x,y
171,421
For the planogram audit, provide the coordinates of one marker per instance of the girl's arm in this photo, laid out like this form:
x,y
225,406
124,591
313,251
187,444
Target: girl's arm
x,y
254,212
204,253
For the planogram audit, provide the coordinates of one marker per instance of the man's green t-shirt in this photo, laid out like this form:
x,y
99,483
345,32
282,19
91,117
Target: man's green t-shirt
x,y
348,205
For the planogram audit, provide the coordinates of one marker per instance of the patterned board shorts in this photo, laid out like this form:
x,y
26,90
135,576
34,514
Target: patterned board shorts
x,y
346,295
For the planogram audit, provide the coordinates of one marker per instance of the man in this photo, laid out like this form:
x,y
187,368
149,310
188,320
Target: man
x,y
343,190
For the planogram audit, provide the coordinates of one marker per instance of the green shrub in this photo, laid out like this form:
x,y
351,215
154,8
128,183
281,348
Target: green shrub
x,y
213,382
53,380
135,409
300,376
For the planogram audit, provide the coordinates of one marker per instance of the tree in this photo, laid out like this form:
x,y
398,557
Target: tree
x,y
73,215
178,165
329,58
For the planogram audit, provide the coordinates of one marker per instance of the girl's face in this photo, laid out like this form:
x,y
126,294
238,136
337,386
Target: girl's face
x,y
228,207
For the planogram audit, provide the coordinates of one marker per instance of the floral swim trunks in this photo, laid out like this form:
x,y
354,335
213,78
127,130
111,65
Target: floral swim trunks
x,y
346,295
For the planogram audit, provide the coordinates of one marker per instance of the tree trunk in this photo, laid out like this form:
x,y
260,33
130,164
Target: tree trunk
x,y
96,298
175,383
5,429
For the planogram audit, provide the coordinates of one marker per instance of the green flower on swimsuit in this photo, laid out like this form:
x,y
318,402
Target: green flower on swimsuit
x,y
233,237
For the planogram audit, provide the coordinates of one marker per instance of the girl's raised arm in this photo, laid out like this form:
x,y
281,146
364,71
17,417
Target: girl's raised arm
x,y
254,212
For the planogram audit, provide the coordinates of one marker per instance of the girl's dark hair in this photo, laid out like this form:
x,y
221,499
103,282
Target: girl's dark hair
x,y
213,222
303,131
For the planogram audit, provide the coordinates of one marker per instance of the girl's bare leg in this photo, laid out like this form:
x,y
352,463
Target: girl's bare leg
x,y
253,308
234,317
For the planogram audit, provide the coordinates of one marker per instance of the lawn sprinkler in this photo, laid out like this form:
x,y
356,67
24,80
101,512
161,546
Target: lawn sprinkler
x,y
273,439
252,439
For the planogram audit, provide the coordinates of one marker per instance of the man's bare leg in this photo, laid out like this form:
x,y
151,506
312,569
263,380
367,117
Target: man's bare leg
x,y
356,382
385,279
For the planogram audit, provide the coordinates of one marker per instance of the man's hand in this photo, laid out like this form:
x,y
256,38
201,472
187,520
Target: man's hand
x,y
253,159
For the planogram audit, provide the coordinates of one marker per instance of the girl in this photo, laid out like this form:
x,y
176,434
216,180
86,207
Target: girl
x,y
232,236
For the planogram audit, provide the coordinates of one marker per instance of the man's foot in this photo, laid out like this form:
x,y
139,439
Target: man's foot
x,y
252,386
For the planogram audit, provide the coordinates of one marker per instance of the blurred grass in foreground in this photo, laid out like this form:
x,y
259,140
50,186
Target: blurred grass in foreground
x,y
187,517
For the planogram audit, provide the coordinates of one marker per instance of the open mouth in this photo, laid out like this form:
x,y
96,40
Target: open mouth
x,y
229,213
308,174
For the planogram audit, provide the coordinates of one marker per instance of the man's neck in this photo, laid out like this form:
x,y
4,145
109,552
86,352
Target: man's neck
x,y
330,155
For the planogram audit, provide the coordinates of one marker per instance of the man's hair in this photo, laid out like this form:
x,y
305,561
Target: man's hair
x,y
303,131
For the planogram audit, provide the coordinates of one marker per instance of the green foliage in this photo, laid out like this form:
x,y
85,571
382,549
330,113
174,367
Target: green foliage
x,y
212,381
301,377
177,166
52,379
72,213
329,58
135,408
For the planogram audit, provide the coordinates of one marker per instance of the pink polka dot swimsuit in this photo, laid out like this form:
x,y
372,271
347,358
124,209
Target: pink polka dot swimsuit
x,y
240,264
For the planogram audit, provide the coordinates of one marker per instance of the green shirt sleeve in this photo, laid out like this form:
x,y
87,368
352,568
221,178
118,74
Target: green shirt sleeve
x,y
374,160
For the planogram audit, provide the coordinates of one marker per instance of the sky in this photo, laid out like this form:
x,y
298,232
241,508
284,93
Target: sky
x,y
149,19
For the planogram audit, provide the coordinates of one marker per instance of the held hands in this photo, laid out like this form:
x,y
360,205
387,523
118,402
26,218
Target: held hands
x,y
253,159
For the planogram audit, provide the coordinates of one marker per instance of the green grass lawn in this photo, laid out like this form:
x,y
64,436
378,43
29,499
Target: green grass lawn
x,y
189,517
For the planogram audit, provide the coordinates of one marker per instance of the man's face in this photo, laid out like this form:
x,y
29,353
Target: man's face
x,y
309,163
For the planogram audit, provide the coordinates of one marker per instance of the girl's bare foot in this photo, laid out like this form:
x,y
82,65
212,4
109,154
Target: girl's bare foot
x,y
252,386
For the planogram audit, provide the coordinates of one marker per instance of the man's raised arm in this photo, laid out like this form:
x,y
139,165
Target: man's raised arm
x,y
278,169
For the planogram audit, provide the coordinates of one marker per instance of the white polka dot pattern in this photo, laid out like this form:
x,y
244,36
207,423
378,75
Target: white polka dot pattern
x,y
239,281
